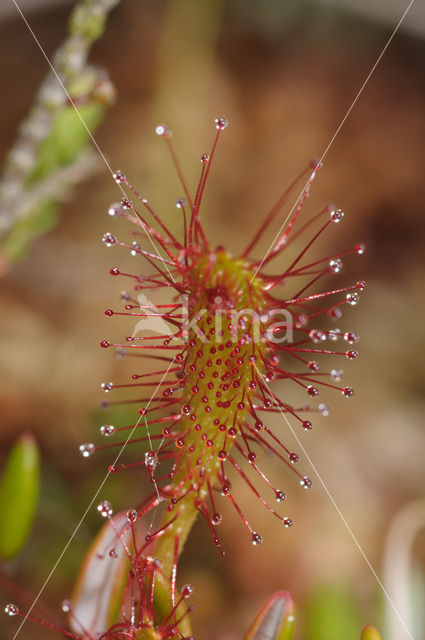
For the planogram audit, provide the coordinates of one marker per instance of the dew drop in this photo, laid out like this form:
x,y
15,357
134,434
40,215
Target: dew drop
x,y
316,336
221,123
352,298
107,386
180,203
11,609
107,430
108,239
105,509
312,391
225,489
132,515
104,344
256,539
279,495
335,265
187,591
336,374
351,337
313,366
306,483
116,210
294,457
351,355
87,449
348,392
301,320
119,176
163,130
336,314
204,158
66,605
151,460
126,203
324,409
216,518
136,248
307,425
360,248
336,215
287,522
334,335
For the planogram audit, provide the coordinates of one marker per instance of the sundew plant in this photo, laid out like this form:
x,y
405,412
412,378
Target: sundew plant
x,y
228,328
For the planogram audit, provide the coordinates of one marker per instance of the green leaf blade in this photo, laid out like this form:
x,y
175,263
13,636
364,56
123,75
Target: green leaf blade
x,y
19,490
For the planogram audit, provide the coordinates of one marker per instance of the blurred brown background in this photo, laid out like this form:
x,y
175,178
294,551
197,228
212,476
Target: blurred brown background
x,y
284,74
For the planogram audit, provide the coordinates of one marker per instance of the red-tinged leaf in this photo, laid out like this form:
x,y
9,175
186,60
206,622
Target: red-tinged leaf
x,y
98,594
19,489
370,633
275,620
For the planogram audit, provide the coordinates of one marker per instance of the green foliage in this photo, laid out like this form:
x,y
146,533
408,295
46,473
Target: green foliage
x,y
331,615
67,138
19,489
52,152
86,22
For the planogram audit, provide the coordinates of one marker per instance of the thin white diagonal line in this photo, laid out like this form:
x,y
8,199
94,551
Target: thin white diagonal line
x,y
83,122
338,129
338,510
86,511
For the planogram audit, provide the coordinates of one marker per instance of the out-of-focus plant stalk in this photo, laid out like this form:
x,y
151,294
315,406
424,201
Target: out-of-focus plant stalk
x,y
50,153
399,573
184,76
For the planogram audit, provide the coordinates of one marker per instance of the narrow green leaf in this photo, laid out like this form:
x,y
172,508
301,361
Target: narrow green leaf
x,y
19,489
370,633
276,619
